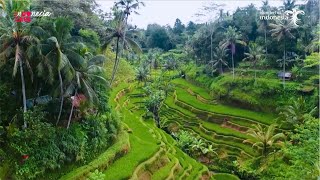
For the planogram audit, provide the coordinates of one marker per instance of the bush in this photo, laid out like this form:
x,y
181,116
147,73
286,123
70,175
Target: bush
x,y
35,146
41,147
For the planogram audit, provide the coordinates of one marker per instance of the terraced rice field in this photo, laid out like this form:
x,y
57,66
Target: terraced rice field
x,y
153,154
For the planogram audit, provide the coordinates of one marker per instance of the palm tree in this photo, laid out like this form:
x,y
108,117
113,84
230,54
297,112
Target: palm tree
x,y
117,33
295,113
219,58
14,40
142,74
254,55
281,31
59,52
264,139
232,38
265,23
83,81
171,63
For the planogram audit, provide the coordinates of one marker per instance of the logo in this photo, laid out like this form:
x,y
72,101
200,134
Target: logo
x,y
294,15
26,15
291,15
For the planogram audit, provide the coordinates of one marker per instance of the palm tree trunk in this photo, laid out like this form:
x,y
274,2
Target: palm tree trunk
x,y
284,64
23,89
265,40
115,69
61,98
255,72
232,65
115,62
71,112
220,67
211,45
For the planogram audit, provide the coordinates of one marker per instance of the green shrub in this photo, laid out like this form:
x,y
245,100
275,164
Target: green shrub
x,y
225,176
96,175
38,143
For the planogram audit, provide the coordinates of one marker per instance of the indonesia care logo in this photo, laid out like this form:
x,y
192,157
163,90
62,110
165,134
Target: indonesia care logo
x,y
27,16
294,15
291,15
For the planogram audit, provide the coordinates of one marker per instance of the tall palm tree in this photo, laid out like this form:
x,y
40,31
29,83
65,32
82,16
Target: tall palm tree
x,y
117,34
219,57
254,55
281,31
59,52
15,40
126,7
265,23
264,139
84,80
232,38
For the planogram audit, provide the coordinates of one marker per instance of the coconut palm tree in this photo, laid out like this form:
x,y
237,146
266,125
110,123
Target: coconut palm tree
x,y
219,57
142,74
83,82
123,9
264,139
281,31
117,33
15,41
265,23
254,55
232,38
60,53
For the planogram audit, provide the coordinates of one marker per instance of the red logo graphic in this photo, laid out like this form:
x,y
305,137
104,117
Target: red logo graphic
x,y
22,16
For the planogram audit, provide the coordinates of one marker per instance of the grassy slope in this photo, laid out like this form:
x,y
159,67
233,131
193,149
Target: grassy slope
x,y
143,144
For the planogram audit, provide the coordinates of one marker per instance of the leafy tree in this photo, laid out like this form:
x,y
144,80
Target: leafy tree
x,y
153,105
281,31
157,37
264,139
232,37
298,157
254,55
191,28
178,27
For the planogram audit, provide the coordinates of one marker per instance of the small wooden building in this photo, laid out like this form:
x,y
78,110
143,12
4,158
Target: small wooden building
x,y
286,75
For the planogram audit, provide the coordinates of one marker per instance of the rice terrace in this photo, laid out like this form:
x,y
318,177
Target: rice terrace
x,y
125,89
